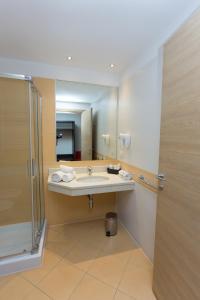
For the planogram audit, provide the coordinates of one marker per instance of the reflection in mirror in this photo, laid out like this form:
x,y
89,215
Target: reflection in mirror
x,y
86,121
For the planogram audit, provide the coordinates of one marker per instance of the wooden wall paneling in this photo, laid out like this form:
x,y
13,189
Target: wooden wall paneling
x,y
177,247
15,197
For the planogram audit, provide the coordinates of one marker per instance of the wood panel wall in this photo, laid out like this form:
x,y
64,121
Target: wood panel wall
x,y
177,250
15,197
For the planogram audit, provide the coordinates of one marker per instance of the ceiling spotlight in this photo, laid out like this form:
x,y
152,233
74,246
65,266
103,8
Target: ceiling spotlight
x,y
69,58
112,65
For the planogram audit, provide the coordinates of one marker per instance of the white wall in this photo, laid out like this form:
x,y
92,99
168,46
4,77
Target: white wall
x,y
65,145
139,115
104,114
137,212
77,119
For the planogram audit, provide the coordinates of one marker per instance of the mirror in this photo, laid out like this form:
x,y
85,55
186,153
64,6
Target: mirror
x,y
86,121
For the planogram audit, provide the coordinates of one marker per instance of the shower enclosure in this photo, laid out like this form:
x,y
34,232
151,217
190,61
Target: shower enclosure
x,y
22,213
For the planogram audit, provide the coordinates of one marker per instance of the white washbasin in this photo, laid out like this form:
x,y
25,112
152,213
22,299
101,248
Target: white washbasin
x,y
99,182
92,178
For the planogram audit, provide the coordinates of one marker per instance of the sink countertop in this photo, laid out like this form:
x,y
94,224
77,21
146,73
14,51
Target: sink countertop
x,y
114,183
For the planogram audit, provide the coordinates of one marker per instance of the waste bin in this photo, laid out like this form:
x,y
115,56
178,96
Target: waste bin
x,y
111,223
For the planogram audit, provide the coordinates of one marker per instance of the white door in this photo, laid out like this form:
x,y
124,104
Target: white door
x,y
86,135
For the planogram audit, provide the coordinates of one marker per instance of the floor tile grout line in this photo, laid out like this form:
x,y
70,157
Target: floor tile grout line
x,y
72,265
135,241
60,260
110,285
76,287
91,275
79,222
103,282
51,269
35,286
125,268
63,238
87,272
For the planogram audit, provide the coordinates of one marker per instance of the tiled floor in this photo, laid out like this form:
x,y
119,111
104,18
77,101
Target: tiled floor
x,y
81,263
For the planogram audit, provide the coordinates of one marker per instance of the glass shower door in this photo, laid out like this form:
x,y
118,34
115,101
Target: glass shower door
x,y
37,166
15,173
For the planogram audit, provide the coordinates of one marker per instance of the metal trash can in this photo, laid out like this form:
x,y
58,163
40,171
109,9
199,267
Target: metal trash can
x,y
111,223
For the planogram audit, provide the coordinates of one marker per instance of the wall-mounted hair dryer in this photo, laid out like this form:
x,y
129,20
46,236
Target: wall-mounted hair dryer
x,y
58,136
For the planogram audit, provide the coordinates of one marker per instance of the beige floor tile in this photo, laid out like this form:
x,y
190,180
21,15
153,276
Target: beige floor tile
x,y
61,281
5,279
84,233
15,288
109,269
93,239
137,282
72,250
92,289
36,294
99,227
82,256
74,230
119,243
92,235
58,243
138,259
121,296
49,261
123,256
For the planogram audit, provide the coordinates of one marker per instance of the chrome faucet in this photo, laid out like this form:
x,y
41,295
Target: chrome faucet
x,y
89,170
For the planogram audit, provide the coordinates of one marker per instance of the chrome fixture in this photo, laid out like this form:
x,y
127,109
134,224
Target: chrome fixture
x,y
148,182
161,178
89,170
90,201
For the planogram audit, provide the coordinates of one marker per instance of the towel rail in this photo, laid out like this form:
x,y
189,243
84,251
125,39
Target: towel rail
x,y
148,182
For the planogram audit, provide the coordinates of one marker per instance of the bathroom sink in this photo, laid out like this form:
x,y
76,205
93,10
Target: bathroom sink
x,y
92,178
84,184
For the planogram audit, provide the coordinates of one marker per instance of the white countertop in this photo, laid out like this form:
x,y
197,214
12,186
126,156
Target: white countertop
x,y
114,183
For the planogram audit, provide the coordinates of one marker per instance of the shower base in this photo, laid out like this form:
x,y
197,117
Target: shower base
x,y
9,237
15,239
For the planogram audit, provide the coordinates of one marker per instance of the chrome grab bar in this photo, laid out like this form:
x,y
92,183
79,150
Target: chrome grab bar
x,y
147,182
161,178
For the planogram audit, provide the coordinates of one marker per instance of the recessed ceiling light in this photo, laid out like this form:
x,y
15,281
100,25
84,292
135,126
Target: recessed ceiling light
x,y
69,58
112,65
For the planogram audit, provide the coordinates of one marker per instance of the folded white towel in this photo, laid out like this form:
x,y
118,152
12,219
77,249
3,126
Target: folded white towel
x,y
68,177
57,176
66,169
125,175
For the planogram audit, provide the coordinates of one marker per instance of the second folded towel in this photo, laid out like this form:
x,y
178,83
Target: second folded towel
x,y
68,177
66,169
57,176
61,176
126,175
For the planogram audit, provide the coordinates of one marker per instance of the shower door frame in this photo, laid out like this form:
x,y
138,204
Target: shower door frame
x,y
35,166
30,166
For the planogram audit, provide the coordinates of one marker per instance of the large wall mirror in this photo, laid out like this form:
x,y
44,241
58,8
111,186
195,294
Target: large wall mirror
x,y
86,121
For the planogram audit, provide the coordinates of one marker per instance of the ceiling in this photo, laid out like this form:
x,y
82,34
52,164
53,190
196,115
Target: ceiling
x,y
94,32
67,91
